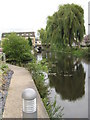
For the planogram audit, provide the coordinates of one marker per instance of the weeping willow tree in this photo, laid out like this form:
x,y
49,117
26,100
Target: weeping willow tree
x,y
72,23
66,26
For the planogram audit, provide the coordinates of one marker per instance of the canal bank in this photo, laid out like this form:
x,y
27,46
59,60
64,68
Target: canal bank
x,y
21,80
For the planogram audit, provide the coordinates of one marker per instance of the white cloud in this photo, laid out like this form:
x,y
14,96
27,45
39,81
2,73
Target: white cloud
x,y
30,15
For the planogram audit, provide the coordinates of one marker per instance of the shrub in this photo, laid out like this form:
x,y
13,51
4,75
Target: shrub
x,y
3,69
16,48
37,73
87,54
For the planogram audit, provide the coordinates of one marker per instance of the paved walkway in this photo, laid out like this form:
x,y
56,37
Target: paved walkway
x,y
21,80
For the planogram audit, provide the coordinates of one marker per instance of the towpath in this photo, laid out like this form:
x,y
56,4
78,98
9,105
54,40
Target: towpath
x,y
21,80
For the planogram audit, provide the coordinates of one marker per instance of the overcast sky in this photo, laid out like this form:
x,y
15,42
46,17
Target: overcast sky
x,y
31,15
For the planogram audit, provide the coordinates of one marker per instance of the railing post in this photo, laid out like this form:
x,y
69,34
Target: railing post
x,y
29,103
4,57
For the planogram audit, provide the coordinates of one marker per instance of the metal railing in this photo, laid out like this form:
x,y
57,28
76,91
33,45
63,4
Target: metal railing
x,y
2,57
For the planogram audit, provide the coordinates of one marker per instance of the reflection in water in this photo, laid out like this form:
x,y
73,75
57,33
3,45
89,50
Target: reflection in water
x,y
66,75
67,79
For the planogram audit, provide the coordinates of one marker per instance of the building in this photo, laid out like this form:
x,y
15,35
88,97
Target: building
x,y
86,41
89,18
26,35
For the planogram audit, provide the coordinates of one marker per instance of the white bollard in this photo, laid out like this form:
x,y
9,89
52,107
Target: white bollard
x,y
29,103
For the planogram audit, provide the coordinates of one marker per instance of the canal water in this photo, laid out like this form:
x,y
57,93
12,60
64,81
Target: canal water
x,y
68,82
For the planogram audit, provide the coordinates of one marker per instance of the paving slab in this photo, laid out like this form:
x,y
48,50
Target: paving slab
x,y
21,80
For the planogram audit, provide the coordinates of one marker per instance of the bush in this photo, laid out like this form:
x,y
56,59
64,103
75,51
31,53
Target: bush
x,y
3,66
37,73
16,48
3,70
87,54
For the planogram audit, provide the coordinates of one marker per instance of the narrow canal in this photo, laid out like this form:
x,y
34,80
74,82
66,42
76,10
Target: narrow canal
x,y
68,82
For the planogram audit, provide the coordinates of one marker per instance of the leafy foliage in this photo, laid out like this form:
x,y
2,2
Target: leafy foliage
x,y
30,41
16,48
86,54
37,73
42,35
3,69
53,110
65,26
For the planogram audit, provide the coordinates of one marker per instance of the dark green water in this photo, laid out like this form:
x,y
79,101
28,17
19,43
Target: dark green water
x,y
68,81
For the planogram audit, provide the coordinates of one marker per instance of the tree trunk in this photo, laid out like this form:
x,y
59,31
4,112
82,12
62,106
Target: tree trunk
x,y
70,37
70,42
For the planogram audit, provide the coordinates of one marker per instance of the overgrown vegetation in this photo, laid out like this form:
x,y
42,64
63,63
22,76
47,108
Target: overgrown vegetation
x,y
3,70
75,51
37,69
87,54
16,48
53,110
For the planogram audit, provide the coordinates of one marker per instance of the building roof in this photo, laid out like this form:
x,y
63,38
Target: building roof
x,y
23,34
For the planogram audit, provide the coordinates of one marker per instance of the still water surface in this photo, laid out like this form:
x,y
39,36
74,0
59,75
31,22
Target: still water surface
x,y
68,81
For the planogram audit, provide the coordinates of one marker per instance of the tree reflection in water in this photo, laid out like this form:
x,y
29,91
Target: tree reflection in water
x,y
67,76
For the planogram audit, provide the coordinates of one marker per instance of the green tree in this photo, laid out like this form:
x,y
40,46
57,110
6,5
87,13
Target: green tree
x,y
66,25
30,41
73,23
16,48
42,34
